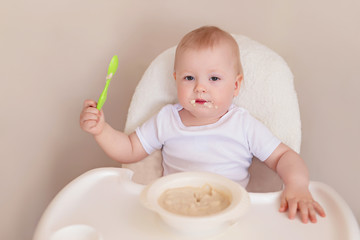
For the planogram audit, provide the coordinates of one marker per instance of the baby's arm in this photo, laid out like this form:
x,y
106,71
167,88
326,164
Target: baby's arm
x,y
296,195
117,145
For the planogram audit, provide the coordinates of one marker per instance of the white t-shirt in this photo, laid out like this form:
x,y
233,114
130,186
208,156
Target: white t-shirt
x,y
225,147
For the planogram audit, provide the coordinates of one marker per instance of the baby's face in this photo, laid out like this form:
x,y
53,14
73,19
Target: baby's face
x,y
207,80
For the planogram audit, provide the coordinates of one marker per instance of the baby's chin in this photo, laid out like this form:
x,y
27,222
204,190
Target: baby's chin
x,y
211,112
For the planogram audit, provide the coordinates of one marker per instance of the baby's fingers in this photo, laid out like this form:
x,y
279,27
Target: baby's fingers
x,y
89,124
308,210
89,103
305,210
89,113
319,209
92,110
283,204
312,214
293,207
89,120
89,116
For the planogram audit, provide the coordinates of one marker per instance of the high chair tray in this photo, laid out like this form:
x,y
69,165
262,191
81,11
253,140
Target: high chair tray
x,y
104,204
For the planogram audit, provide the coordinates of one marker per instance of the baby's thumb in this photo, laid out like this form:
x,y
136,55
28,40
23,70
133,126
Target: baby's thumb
x,y
101,116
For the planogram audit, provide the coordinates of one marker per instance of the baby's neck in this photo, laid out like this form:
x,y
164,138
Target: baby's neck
x,y
189,119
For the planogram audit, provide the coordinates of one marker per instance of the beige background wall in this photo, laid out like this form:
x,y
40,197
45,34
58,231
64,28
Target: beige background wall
x,y
54,54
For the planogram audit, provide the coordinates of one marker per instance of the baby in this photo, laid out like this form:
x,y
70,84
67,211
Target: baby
x,y
205,131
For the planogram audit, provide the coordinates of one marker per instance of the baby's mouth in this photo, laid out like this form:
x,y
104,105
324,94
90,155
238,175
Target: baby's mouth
x,y
198,101
202,102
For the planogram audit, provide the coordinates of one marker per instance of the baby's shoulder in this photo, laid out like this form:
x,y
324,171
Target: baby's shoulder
x,y
240,111
168,111
169,108
242,115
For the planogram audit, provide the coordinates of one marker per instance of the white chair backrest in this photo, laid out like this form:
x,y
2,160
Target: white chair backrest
x,y
267,92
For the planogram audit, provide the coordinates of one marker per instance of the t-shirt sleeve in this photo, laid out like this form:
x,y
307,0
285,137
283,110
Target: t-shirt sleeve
x,y
262,142
148,135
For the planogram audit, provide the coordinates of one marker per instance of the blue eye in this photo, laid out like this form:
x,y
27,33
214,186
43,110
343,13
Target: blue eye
x,y
214,78
190,78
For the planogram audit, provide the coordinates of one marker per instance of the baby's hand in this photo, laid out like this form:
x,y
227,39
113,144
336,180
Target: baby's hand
x,y
91,119
299,198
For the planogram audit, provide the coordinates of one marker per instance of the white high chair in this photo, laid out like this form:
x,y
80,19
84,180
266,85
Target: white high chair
x,y
104,203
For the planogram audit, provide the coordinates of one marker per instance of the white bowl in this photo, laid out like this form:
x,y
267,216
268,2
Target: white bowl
x,y
209,224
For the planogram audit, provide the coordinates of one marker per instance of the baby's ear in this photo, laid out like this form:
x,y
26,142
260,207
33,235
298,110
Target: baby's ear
x,y
238,80
174,74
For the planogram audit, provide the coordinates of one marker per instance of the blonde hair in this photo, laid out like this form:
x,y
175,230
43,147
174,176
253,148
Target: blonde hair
x,y
208,37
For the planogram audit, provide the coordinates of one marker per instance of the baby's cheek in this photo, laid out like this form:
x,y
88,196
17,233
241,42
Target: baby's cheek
x,y
182,98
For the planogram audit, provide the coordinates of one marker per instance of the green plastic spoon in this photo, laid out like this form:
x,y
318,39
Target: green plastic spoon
x,y
111,72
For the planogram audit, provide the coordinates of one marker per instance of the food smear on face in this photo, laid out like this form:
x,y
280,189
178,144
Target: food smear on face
x,y
207,104
194,201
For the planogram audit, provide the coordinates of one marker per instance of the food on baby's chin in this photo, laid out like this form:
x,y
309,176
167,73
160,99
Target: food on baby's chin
x,y
194,201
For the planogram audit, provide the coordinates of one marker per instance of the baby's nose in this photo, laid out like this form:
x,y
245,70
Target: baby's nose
x,y
200,87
